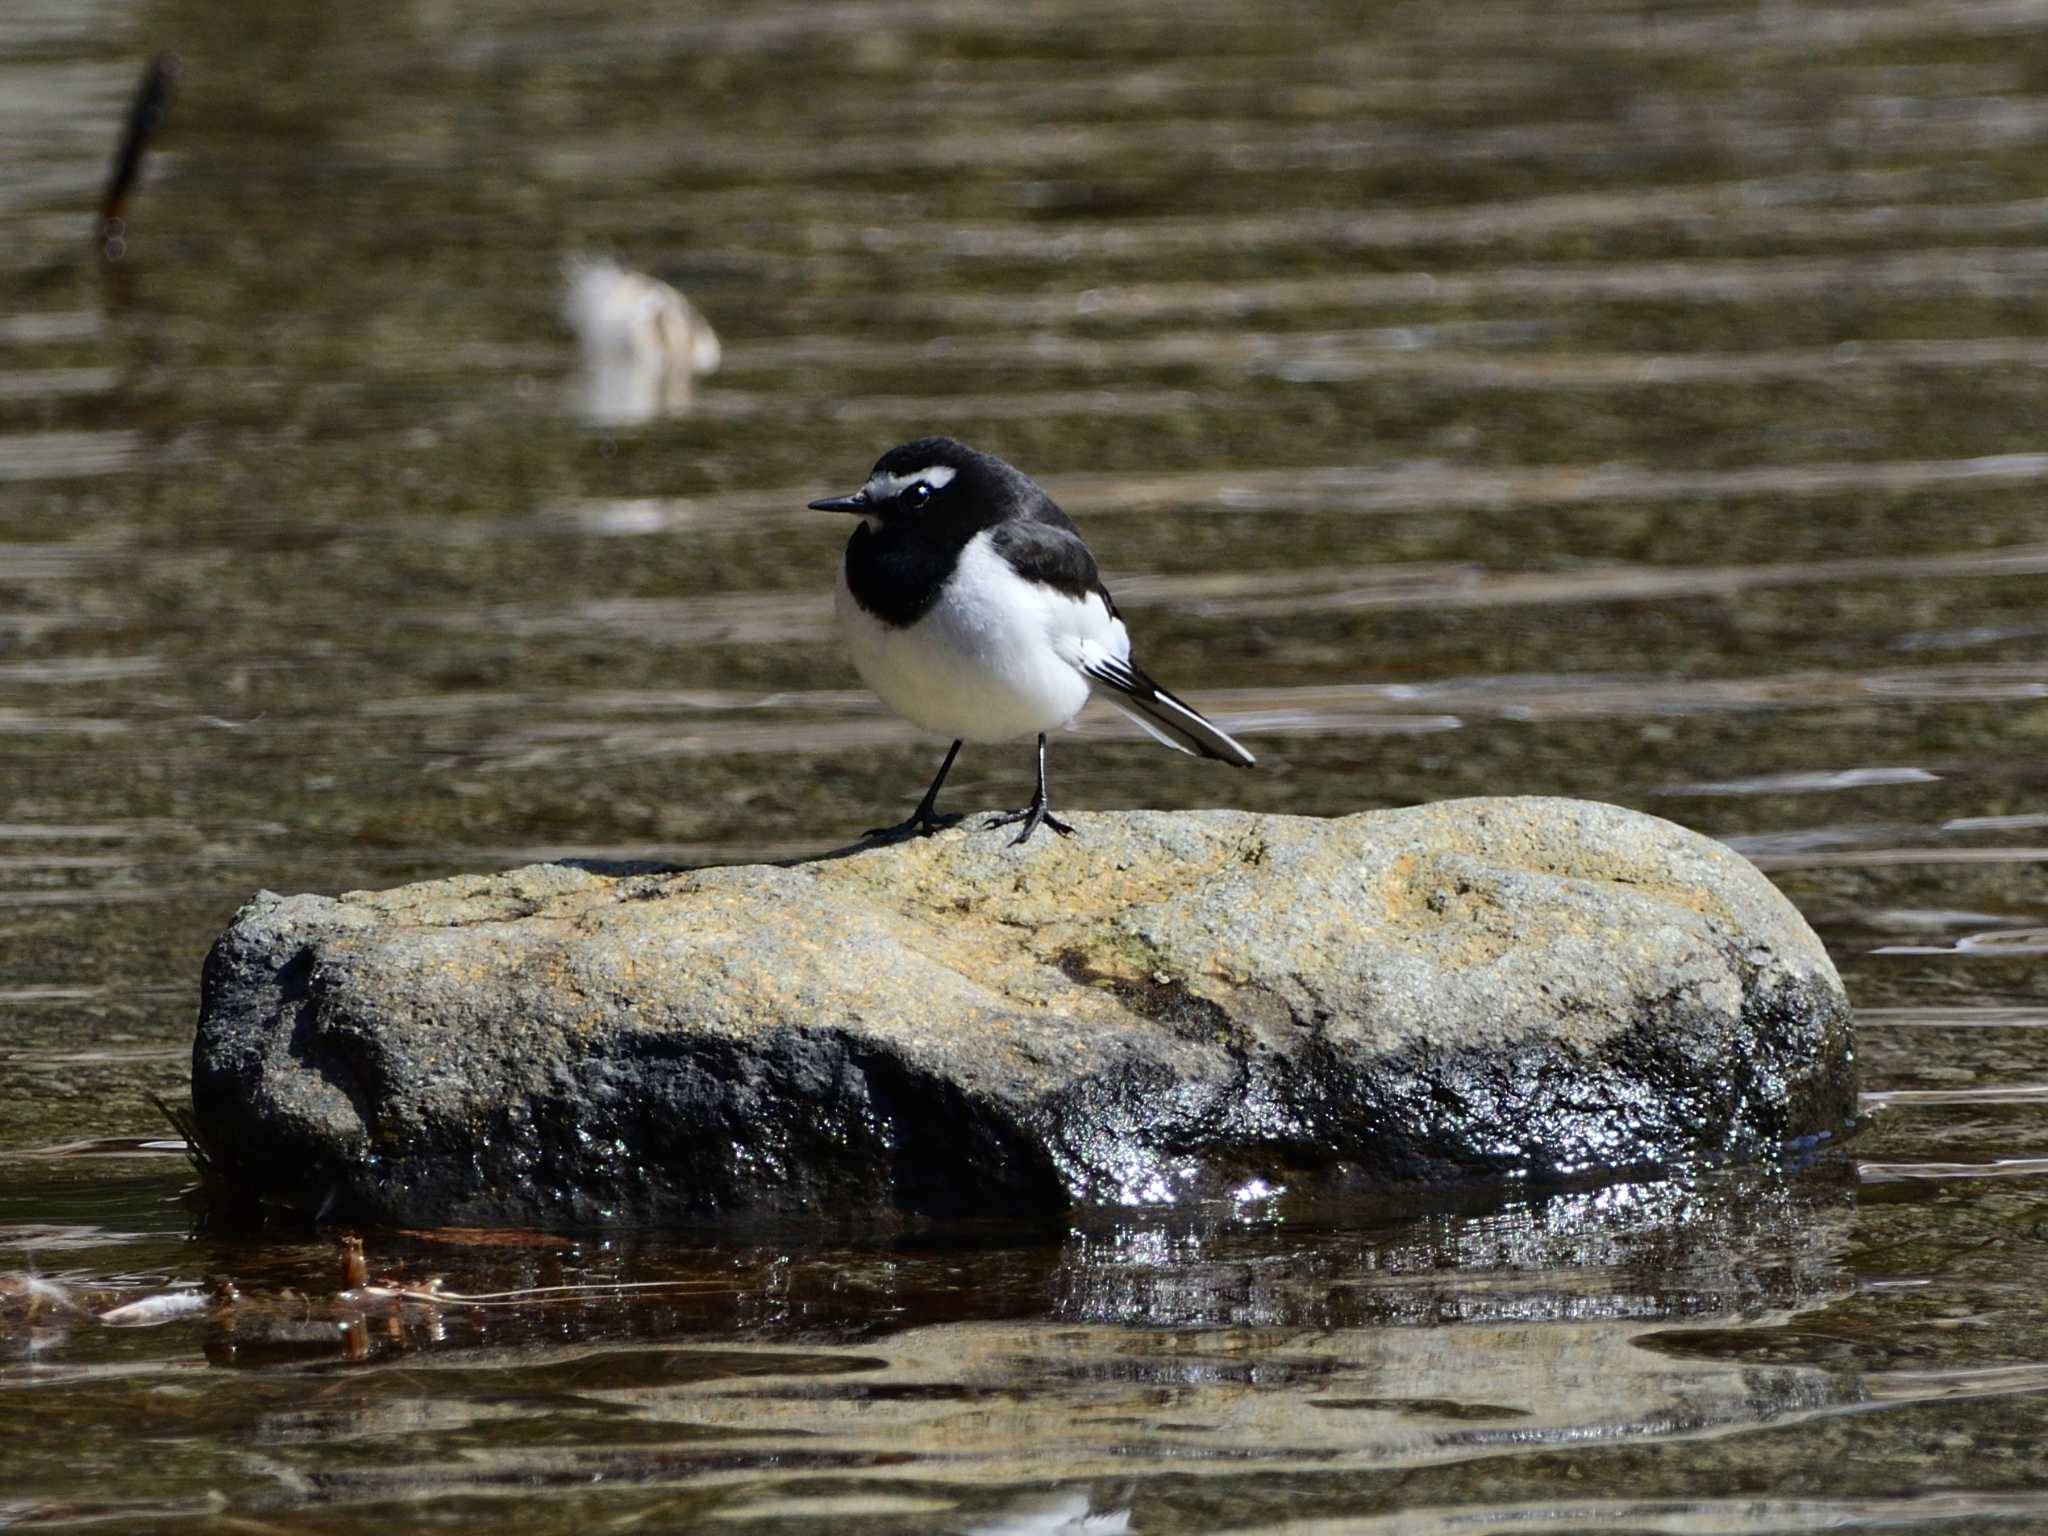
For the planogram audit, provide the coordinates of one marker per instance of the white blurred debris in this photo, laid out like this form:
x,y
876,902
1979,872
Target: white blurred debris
x,y
1062,1514
643,343
164,1308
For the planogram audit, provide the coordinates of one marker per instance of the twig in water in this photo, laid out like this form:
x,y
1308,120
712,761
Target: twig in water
x,y
432,1292
145,119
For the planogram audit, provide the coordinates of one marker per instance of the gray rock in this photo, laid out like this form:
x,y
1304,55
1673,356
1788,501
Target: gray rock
x,y
1165,1007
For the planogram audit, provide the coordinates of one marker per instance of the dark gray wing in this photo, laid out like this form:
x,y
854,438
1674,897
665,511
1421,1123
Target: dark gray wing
x,y
1051,555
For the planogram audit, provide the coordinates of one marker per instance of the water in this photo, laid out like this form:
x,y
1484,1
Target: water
x,y
1634,402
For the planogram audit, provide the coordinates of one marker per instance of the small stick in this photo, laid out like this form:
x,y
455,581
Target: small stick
x,y
432,1292
355,1270
145,120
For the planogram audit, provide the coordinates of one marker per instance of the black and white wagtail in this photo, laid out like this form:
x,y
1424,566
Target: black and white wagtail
x,y
973,609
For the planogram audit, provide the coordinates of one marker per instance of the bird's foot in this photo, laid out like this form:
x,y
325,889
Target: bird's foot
x,y
922,822
1033,816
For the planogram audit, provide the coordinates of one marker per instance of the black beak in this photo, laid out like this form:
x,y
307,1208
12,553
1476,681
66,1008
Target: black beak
x,y
856,503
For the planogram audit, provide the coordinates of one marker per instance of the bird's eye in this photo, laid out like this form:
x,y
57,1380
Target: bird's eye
x,y
915,496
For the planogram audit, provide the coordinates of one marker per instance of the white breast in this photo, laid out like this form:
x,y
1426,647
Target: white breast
x,y
995,657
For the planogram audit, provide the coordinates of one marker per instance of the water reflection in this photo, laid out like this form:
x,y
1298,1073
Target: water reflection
x,y
1618,1252
2013,272
1746,1516
1999,1168
932,1381
1287,1335
1808,782
1996,943
59,455
1382,488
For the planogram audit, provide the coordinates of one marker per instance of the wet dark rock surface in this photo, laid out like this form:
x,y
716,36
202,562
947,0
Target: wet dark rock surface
x,y
1168,1006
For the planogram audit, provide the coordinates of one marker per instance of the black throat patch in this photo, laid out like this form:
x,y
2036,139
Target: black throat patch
x,y
897,574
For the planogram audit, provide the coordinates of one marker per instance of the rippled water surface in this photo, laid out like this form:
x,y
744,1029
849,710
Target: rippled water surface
x,y
1639,402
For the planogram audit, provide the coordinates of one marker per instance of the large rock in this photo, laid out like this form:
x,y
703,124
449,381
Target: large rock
x,y
1165,1007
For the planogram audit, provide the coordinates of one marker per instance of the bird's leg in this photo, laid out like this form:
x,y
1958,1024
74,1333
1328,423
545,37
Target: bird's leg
x,y
926,819
1034,813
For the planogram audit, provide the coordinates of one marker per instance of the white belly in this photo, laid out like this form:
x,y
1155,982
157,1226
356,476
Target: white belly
x,y
990,661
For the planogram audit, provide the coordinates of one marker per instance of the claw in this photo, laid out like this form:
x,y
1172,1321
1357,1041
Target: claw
x,y
920,823
1033,816
923,821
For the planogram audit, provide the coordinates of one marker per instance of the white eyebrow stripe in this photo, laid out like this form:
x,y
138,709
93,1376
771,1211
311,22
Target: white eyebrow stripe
x,y
889,487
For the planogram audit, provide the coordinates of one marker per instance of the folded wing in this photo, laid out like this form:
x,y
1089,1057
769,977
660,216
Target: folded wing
x,y
1050,553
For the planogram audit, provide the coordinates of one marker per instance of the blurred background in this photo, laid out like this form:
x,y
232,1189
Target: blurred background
x,y
1641,402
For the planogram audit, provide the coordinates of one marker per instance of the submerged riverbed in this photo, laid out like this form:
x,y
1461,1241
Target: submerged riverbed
x,y
1640,403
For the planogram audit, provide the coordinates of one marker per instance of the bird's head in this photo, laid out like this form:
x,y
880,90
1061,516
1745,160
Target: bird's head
x,y
934,482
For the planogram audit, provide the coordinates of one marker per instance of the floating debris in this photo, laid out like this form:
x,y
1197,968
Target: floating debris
x,y
145,120
643,343
166,1307
355,1269
1063,1514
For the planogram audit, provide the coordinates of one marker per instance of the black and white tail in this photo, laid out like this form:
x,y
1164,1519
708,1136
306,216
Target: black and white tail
x,y
1160,715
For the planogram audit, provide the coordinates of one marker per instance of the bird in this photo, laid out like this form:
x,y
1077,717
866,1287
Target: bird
x,y
972,607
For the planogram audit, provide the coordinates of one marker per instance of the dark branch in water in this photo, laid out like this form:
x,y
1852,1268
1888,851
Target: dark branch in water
x,y
145,121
